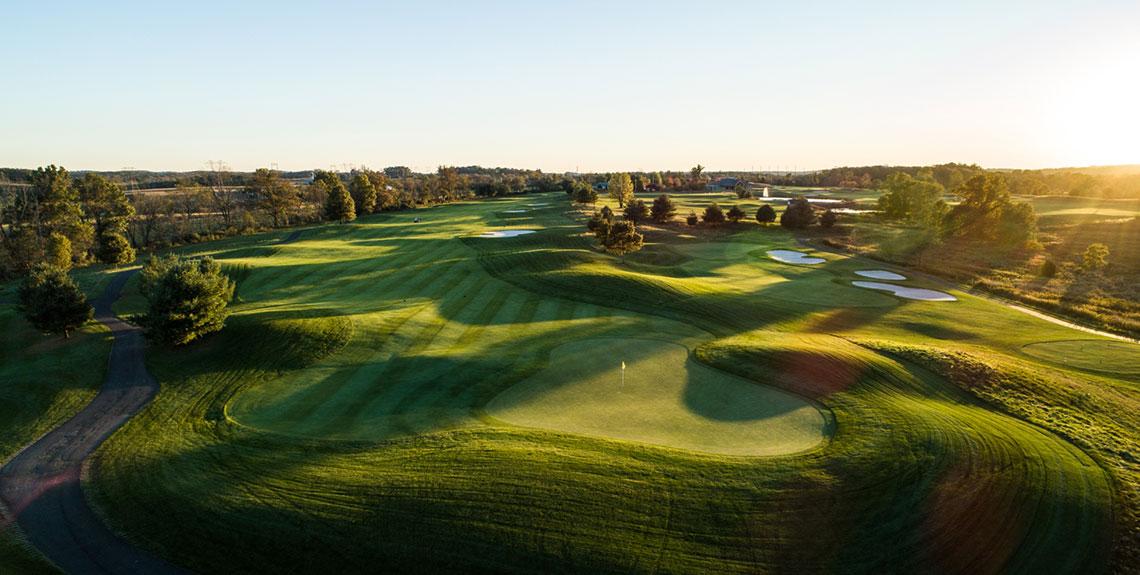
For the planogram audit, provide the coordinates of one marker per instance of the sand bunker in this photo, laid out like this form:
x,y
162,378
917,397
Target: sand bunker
x,y
908,292
515,211
505,233
810,200
880,275
794,257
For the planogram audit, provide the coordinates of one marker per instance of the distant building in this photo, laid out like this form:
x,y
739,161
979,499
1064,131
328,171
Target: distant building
x,y
726,184
602,186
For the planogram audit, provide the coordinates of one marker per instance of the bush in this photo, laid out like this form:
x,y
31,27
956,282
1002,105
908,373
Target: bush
x,y
622,237
1048,269
585,194
743,192
186,298
636,211
735,214
58,252
607,214
765,214
691,219
114,249
798,215
1095,257
828,219
713,214
663,209
51,301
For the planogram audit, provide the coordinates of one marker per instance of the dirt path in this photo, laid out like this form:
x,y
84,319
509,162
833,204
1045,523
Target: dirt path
x,y
41,485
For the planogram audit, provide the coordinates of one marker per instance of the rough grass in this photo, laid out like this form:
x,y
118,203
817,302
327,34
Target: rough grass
x,y
337,422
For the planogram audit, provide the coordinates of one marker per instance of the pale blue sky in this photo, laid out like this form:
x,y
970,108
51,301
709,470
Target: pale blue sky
x,y
596,86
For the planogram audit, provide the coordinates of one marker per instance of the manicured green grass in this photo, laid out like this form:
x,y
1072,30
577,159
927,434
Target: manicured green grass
x,y
346,419
664,398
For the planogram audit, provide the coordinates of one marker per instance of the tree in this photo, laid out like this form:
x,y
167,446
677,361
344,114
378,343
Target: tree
x,y
1048,269
692,219
907,198
663,208
363,193
105,203
607,214
636,211
59,207
58,251
713,214
186,298
743,189
696,171
828,219
988,214
584,193
735,214
51,301
766,214
638,184
620,237
338,203
657,181
1095,257
621,189
114,249
275,196
798,215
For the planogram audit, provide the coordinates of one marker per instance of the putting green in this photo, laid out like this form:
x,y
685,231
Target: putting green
x,y
665,399
1091,354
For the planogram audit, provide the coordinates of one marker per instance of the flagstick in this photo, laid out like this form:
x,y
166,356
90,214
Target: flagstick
x,y
622,387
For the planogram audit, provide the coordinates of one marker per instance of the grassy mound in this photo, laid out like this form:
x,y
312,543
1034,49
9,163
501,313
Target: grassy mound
x,y
664,399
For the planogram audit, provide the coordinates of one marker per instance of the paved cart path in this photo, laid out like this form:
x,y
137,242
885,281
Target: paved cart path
x,y
40,486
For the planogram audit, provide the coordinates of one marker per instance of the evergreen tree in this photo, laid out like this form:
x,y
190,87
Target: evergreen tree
x,y
51,301
1095,257
766,214
713,214
663,208
636,211
186,298
363,193
58,251
338,203
798,215
735,214
114,249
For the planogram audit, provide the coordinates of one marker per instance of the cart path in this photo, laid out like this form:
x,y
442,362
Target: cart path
x,y
40,486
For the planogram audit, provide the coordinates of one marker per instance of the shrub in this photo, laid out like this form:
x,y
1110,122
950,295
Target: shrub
x,y
828,219
51,301
58,252
691,219
1048,269
584,193
623,238
765,214
636,211
735,214
1095,257
798,215
663,209
607,214
713,214
114,249
743,192
186,298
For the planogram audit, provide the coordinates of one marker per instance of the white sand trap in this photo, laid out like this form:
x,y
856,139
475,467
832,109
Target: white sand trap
x,y
515,211
794,257
810,200
880,275
505,233
538,205
908,292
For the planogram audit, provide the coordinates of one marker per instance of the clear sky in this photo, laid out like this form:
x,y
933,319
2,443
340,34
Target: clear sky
x,y
596,86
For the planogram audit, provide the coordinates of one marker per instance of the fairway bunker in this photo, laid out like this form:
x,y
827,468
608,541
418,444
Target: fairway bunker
x,y
515,211
504,233
794,257
908,292
664,398
880,275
